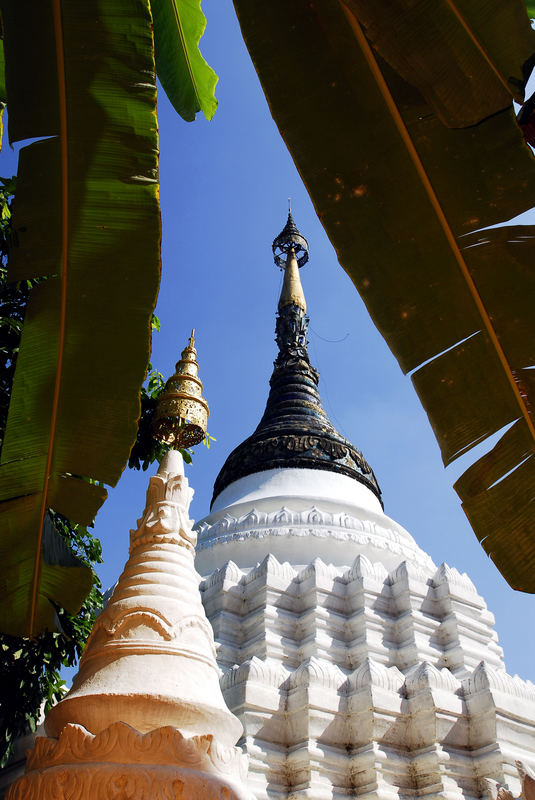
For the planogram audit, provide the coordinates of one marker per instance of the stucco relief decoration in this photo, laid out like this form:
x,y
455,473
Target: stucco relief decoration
x,y
311,522
165,518
122,744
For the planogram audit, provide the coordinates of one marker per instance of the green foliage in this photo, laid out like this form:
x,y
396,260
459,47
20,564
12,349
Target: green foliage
x,y
186,78
155,322
13,305
81,75
207,441
31,667
2,83
82,88
147,449
31,681
14,297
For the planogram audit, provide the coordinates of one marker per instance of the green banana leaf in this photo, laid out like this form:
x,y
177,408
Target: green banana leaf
x,y
3,97
186,77
400,122
86,216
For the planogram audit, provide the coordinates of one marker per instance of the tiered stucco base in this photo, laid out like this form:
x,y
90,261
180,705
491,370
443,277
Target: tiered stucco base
x,y
355,681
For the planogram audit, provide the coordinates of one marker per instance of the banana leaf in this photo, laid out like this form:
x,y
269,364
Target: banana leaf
x,y
3,97
86,218
186,78
399,118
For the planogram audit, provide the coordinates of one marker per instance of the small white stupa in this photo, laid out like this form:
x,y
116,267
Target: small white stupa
x,y
356,665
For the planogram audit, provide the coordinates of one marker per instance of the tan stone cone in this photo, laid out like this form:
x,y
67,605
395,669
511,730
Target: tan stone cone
x,y
150,659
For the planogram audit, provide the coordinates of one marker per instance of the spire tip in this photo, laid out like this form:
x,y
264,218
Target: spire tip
x,y
290,239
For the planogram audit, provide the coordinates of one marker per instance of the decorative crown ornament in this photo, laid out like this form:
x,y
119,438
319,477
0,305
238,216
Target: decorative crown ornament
x,y
290,240
182,412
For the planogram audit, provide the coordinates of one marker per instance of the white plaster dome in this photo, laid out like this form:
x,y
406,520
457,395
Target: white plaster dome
x,y
297,514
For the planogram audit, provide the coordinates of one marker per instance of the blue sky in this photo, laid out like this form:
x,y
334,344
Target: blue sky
x,y
224,190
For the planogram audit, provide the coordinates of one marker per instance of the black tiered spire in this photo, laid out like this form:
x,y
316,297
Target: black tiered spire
x,y
294,431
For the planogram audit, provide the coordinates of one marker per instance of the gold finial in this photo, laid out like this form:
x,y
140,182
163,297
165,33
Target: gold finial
x,y
292,290
182,412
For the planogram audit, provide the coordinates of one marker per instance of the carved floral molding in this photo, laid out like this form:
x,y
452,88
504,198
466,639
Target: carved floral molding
x,y
122,764
310,522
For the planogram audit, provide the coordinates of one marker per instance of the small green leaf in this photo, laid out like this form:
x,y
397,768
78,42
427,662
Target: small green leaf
x,y
186,455
207,441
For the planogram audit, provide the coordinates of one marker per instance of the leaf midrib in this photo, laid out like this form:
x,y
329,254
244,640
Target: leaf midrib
x,y
186,53
467,29
62,104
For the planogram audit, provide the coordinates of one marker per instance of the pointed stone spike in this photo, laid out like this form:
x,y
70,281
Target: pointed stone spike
x,y
171,464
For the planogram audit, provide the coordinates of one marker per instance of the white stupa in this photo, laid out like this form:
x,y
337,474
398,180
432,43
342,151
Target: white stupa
x,y
356,665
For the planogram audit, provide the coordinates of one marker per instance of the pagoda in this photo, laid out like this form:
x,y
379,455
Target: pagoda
x,y
356,665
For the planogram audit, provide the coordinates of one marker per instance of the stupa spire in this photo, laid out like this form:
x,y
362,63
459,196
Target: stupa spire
x,y
294,430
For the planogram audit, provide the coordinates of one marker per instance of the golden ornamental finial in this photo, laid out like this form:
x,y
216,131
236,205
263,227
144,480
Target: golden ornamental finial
x,y
182,412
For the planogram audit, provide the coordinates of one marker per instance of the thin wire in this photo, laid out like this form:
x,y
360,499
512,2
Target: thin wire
x,y
324,391
329,341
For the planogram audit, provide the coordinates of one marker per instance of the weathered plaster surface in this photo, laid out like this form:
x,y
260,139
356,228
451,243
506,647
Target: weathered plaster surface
x,y
362,680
